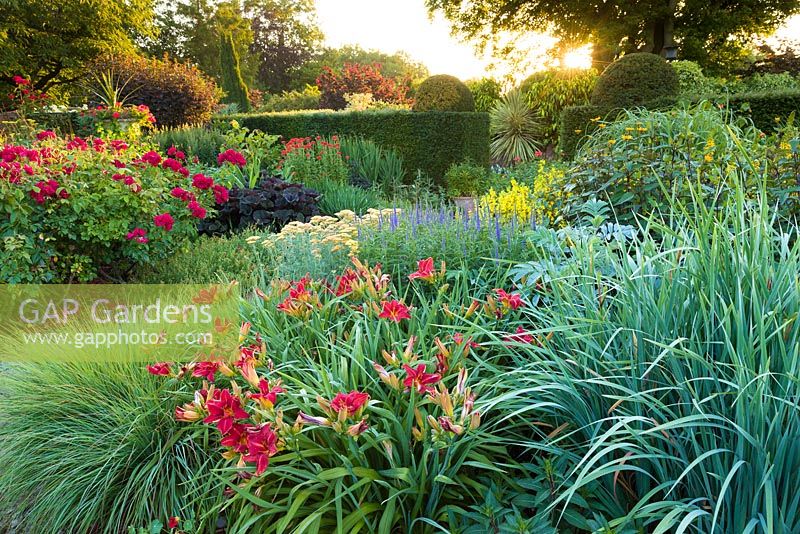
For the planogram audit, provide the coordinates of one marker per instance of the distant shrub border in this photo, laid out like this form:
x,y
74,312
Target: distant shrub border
x,y
429,141
764,108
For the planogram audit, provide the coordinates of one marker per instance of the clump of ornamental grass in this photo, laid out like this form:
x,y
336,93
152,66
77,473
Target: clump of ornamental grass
x,y
94,448
666,395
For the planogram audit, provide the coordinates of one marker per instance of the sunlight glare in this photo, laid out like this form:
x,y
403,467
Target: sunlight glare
x,y
580,58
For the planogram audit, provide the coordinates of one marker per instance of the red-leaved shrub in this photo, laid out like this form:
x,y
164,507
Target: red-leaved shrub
x,y
176,93
359,78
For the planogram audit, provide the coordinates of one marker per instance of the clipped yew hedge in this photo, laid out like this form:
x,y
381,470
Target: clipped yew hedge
x,y
429,141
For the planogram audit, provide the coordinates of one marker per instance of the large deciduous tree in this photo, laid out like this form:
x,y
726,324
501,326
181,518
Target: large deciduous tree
x,y
50,41
705,30
285,36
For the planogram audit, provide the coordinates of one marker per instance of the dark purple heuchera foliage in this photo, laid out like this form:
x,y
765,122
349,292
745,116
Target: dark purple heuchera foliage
x,y
272,204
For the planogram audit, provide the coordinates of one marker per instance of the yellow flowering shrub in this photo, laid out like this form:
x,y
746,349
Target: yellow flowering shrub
x,y
544,199
511,203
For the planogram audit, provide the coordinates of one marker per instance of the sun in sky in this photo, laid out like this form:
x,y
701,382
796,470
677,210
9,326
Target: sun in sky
x,y
392,26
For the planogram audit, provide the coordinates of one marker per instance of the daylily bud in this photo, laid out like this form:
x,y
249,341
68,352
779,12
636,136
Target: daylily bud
x,y
408,354
248,371
225,370
390,357
472,308
442,348
462,381
188,413
325,405
243,331
449,426
475,421
434,424
304,418
358,428
390,380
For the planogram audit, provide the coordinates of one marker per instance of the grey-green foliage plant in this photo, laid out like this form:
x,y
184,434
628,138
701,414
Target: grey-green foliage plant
x,y
380,167
94,447
206,260
671,381
515,128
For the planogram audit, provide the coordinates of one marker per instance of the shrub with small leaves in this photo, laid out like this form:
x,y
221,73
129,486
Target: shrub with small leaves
x,y
444,93
635,80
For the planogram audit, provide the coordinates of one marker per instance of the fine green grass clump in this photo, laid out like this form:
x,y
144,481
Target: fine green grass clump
x,y
95,448
206,260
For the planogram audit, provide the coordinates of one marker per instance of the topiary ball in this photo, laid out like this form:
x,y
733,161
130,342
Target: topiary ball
x,y
444,93
634,80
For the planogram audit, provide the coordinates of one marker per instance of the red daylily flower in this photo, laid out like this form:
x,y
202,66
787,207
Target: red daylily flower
x,y
206,370
520,336
267,395
224,409
349,402
426,271
262,444
418,379
160,369
237,438
173,522
394,310
509,300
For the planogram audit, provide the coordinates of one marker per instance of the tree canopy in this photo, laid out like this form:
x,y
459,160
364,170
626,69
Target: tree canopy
x,y
50,41
285,36
709,32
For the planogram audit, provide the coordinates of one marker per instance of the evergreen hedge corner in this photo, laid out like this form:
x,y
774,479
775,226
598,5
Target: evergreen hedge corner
x,y
575,124
429,141
764,108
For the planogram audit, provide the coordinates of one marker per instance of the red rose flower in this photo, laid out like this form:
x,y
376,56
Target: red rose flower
x,y
220,194
201,181
164,221
233,157
197,210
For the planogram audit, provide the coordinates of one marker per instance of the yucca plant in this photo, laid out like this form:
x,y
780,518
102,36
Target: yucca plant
x,y
515,128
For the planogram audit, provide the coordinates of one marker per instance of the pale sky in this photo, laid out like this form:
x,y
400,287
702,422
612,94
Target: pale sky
x,y
392,25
